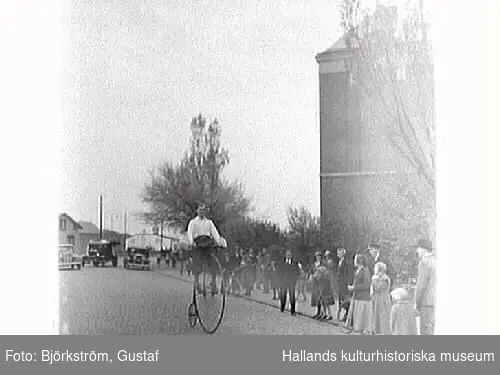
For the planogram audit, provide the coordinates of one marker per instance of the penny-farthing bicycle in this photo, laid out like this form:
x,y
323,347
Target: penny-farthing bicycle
x,y
207,306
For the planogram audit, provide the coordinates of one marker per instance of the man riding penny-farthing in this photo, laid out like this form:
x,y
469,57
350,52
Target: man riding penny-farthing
x,y
209,295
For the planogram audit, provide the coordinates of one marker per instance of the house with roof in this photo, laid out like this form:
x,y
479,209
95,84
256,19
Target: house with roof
x,y
69,230
88,232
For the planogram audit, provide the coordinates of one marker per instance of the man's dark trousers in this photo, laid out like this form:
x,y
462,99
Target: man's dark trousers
x,y
288,271
288,288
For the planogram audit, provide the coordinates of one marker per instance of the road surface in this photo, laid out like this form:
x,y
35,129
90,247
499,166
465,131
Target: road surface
x,y
97,301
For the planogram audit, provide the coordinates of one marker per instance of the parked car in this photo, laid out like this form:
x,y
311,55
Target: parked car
x,y
68,258
99,253
137,258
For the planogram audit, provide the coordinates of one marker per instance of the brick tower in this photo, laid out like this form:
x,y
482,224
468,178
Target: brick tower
x,y
356,166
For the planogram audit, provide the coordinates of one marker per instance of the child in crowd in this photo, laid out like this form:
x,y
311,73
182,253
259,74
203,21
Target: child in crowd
x,y
322,278
381,298
403,313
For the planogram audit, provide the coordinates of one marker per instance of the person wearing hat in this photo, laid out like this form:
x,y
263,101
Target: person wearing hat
x,y
425,292
375,256
204,237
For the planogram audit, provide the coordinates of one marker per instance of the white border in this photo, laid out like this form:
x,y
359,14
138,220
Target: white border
x,y
30,120
467,92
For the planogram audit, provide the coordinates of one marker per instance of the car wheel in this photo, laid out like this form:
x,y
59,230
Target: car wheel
x,y
78,267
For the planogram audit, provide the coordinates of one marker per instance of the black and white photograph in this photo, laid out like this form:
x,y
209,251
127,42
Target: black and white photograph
x,y
238,172
247,168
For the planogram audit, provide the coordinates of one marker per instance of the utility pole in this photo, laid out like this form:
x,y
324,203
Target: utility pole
x,y
161,235
100,217
125,231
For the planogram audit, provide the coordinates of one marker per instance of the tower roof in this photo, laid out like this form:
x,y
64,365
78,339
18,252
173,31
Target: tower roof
x,y
339,48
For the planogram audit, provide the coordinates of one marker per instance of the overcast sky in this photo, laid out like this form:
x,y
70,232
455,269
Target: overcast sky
x,y
136,72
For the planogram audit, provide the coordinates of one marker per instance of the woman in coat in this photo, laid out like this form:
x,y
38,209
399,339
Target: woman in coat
x,y
327,288
382,305
362,309
315,293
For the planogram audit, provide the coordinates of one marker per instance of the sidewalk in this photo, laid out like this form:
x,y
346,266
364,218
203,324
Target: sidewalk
x,y
303,308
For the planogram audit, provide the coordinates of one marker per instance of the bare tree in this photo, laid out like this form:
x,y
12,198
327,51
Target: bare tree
x,y
392,64
304,231
253,233
174,191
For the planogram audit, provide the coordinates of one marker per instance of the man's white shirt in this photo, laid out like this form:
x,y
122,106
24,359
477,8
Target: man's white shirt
x,y
202,227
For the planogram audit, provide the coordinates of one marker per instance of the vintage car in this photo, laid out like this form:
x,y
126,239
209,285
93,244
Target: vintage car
x,y
137,258
68,258
100,253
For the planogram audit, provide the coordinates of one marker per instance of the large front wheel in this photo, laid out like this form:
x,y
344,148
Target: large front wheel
x,y
209,306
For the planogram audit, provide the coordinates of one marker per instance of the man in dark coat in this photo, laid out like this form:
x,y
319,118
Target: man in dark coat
x,y
289,272
375,256
345,274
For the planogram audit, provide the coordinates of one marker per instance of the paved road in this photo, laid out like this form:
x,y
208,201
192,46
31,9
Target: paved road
x,y
98,301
